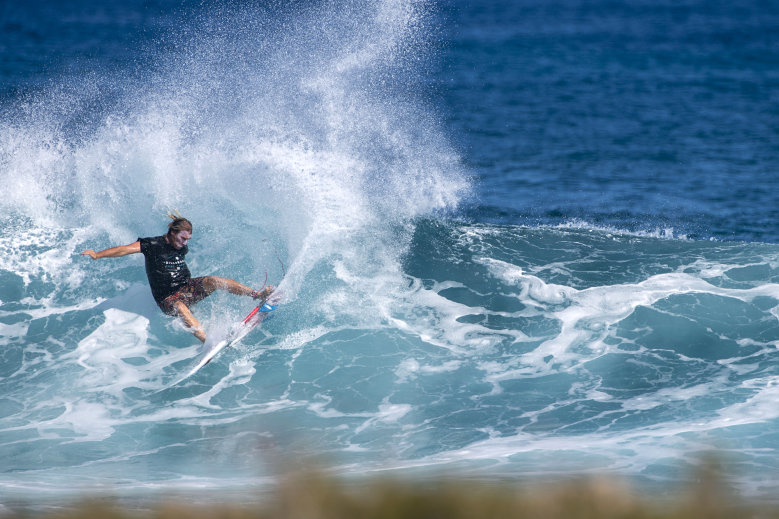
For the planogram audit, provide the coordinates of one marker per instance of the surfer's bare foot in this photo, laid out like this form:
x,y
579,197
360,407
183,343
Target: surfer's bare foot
x,y
200,334
263,294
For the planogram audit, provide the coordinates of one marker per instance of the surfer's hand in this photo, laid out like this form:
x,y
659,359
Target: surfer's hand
x,y
89,252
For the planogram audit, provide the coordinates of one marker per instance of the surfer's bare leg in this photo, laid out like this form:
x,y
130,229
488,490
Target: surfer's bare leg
x,y
190,320
212,283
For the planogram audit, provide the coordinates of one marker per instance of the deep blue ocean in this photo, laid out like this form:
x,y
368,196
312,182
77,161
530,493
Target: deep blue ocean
x,y
516,239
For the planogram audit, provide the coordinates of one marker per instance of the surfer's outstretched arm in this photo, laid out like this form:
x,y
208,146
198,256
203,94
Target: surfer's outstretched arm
x,y
114,252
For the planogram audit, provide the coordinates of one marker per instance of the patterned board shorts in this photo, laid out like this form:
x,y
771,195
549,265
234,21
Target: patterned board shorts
x,y
191,293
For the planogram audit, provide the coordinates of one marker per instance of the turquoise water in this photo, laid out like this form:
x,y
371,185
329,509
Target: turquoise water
x,y
496,259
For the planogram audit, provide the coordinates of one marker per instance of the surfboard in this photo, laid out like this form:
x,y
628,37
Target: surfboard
x,y
236,333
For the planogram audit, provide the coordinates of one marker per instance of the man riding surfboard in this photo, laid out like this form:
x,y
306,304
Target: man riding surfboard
x,y
173,287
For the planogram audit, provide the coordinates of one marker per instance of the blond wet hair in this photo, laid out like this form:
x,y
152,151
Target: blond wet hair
x,y
178,224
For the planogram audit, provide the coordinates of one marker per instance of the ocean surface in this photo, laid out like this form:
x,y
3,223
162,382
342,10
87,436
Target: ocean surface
x,y
515,239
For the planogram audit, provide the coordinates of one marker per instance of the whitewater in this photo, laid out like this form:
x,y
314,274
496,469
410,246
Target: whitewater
x,y
412,338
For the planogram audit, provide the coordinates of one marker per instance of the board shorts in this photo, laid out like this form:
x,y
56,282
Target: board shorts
x,y
191,293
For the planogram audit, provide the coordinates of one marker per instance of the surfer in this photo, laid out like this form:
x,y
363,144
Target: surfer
x,y
173,287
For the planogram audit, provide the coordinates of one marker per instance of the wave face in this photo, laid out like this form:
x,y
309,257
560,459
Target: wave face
x,y
301,145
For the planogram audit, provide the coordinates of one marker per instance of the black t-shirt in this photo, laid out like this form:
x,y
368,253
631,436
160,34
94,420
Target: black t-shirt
x,y
165,266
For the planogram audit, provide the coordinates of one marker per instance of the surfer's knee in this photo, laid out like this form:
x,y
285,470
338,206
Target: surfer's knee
x,y
180,309
211,283
184,313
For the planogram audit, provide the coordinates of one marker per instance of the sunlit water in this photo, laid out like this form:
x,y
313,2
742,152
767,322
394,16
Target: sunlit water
x,y
452,299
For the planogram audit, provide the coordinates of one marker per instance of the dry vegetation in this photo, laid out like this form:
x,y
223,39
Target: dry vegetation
x,y
313,496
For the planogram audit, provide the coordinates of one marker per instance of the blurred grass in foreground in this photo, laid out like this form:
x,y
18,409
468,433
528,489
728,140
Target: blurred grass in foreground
x,y
311,495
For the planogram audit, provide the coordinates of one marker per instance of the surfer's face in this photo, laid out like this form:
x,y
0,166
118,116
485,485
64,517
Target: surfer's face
x,y
179,239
